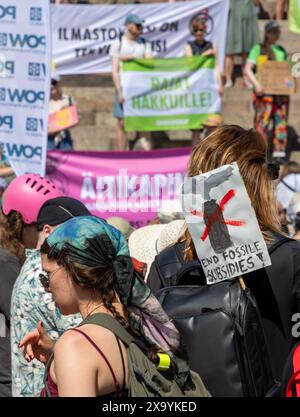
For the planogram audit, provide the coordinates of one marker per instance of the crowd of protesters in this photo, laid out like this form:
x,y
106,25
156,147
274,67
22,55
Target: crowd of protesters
x,y
60,265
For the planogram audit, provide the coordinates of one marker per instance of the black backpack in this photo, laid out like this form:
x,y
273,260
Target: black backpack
x,y
222,332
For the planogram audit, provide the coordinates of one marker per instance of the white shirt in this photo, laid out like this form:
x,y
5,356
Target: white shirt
x,y
285,194
138,48
57,105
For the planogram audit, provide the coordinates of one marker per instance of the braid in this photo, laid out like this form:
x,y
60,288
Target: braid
x,y
150,351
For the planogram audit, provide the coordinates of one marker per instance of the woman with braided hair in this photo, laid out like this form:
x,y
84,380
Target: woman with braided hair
x,y
88,270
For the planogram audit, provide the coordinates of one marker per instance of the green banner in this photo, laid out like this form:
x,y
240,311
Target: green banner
x,y
294,16
169,94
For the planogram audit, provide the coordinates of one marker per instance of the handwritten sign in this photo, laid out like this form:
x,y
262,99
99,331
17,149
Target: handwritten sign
x,y
276,78
223,224
63,119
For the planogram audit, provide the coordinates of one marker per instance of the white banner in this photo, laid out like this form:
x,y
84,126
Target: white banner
x,y
83,34
24,83
223,224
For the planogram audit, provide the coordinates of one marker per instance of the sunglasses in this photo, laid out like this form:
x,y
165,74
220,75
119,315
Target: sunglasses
x,y
44,278
198,30
140,27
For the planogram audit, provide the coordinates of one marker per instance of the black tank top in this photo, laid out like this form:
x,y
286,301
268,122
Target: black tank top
x,y
198,49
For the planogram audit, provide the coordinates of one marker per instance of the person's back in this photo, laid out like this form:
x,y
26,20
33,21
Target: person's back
x,y
96,355
9,270
275,288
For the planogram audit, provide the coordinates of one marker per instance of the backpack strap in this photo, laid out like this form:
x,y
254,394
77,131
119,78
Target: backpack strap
x,y
288,186
107,321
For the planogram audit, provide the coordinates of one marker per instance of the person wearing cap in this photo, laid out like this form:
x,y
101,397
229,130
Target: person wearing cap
x,y
59,139
129,47
269,109
201,47
21,202
31,306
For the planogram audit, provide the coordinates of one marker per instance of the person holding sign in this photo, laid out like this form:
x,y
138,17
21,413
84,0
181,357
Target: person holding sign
x,y
269,108
276,288
129,47
200,46
62,115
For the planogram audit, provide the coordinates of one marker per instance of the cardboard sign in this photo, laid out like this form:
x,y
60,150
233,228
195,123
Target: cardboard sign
x,y
223,225
276,78
63,119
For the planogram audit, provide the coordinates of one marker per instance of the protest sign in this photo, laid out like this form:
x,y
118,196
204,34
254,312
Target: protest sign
x,y
130,184
223,225
63,119
83,34
24,83
294,16
172,93
276,78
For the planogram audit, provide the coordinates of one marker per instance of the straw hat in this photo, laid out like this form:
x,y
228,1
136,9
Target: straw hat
x,y
214,120
122,225
147,242
170,210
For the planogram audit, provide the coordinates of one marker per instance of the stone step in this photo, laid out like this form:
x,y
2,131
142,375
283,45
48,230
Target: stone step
x,y
92,138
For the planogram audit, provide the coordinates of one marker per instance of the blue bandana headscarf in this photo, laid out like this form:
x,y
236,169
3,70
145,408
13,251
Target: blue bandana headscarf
x,y
92,242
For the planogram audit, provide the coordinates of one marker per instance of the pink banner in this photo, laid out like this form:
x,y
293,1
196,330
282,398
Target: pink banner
x,y
131,184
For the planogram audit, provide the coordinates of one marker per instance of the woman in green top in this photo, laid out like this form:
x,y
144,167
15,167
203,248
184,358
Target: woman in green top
x,y
269,108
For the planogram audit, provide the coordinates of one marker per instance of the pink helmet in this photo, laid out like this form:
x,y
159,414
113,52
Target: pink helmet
x,y
26,194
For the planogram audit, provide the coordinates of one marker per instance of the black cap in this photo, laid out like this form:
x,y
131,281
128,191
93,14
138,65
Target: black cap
x,y
58,210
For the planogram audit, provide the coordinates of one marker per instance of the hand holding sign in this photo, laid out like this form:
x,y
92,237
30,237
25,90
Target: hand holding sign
x,y
223,225
63,119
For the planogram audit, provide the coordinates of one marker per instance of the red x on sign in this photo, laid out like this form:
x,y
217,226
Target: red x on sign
x,y
214,217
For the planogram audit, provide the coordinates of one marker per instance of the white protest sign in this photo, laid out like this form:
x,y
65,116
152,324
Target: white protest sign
x,y
223,224
83,34
24,83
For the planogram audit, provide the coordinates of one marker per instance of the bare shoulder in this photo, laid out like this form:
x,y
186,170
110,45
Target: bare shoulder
x,y
75,342
69,340
101,333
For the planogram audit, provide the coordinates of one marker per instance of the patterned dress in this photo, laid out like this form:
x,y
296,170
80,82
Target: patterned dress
x,y
30,304
271,110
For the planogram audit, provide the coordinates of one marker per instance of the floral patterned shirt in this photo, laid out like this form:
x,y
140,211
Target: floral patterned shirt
x,y
30,303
